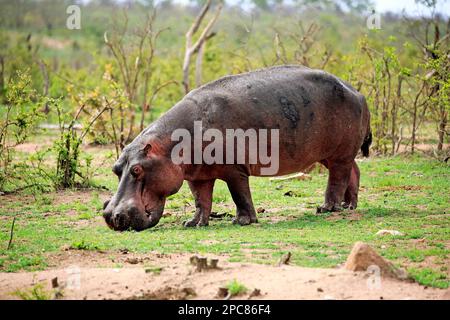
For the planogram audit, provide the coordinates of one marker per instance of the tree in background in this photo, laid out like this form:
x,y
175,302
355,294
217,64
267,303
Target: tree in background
x,y
199,46
134,55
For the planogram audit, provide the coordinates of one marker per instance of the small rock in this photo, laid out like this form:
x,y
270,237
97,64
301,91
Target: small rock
x,y
389,232
58,294
363,256
255,293
55,283
213,264
222,292
65,247
319,290
132,260
260,210
200,263
285,258
188,292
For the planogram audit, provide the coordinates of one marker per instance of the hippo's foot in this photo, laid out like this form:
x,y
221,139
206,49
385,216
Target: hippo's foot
x,y
329,208
244,220
349,205
194,223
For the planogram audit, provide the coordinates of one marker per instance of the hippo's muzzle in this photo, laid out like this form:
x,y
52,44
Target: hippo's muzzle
x,y
129,216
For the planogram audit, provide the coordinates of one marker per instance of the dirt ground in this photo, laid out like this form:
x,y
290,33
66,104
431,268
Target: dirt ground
x,y
96,275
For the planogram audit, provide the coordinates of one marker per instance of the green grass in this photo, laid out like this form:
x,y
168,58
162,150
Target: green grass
x,y
37,292
154,270
408,194
235,288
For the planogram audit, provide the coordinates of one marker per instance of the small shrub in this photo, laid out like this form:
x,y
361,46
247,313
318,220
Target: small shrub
x,y
18,120
82,245
37,292
235,288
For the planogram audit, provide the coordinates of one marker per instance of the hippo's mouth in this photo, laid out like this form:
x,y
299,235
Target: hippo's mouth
x,y
153,215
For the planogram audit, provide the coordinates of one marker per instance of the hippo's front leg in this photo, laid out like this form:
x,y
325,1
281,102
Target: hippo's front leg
x,y
202,191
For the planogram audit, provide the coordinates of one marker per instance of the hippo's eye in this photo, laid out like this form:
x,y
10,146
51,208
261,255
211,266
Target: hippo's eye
x,y
136,170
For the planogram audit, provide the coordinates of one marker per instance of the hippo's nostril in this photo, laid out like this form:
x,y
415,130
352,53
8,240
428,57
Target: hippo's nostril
x,y
120,221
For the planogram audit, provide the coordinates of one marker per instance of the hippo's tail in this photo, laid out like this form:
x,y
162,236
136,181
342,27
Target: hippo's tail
x,y
366,144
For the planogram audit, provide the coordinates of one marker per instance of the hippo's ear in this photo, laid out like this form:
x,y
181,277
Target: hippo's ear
x,y
148,149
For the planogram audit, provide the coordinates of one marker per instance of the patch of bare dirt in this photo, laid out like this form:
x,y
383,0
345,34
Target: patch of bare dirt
x,y
406,188
56,44
350,215
81,196
421,147
93,275
58,197
29,147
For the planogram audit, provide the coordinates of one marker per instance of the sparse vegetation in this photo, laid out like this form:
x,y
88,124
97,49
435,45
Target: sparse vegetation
x,y
235,288
37,292
70,100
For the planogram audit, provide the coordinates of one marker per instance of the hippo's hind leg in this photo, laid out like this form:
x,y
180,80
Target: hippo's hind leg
x,y
202,191
351,194
338,181
240,192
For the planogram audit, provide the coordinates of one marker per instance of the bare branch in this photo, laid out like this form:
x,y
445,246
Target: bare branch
x,y
192,49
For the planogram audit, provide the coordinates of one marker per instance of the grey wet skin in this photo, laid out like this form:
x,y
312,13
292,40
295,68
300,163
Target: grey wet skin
x,y
320,118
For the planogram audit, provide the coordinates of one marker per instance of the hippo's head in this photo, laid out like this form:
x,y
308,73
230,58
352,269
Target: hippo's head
x,y
146,178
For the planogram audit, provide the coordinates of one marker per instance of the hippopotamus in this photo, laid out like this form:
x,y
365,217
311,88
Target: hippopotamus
x,y
312,116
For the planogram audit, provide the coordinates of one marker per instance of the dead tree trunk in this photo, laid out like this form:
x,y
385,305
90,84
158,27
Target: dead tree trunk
x,y
395,106
46,78
192,49
415,117
442,129
2,75
199,64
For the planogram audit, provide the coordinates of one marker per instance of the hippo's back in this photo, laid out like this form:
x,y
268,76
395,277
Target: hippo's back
x,y
316,113
277,79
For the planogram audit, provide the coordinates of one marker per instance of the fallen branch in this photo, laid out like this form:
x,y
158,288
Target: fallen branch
x,y
298,176
192,49
11,233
